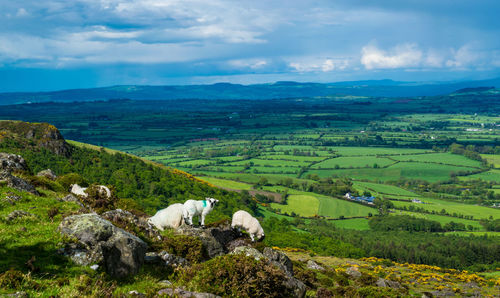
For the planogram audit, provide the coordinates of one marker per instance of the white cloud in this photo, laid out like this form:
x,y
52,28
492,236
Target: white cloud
x,y
308,64
463,57
249,63
401,56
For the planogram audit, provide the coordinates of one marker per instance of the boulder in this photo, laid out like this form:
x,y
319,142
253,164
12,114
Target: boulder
x,y
249,252
171,260
12,162
125,219
298,288
18,214
99,241
214,239
313,265
178,292
70,198
279,259
17,183
48,173
385,283
353,272
238,242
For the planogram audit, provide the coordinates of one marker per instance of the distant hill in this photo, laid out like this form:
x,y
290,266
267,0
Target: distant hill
x,y
376,88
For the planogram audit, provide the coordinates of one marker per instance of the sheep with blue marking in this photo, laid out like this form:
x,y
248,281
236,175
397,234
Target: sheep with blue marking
x,y
201,208
243,219
170,217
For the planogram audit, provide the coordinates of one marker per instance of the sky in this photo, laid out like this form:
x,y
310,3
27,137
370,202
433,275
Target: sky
x,y
60,44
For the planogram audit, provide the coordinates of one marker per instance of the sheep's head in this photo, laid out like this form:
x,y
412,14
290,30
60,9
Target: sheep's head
x,y
261,237
211,202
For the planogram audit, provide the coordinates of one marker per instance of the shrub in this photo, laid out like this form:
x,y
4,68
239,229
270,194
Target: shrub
x,y
71,178
45,183
236,276
98,199
188,247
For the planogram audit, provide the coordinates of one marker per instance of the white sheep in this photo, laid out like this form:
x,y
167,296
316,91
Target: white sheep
x,y
78,190
194,208
243,219
170,217
81,191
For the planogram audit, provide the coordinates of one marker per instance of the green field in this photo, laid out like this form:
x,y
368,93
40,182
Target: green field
x,y
353,162
226,183
440,158
493,159
335,208
437,205
384,189
491,175
303,205
444,219
352,223
366,151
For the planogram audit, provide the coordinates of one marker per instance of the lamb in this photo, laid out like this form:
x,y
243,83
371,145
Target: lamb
x,y
170,217
243,219
198,208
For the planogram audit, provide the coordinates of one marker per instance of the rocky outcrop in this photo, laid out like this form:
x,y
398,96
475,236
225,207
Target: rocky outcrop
x,y
353,272
48,173
12,162
214,239
17,183
385,283
41,135
166,259
315,266
99,241
249,252
279,259
129,221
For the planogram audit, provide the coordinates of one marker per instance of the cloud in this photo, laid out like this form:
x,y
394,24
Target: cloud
x,y
318,64
404,55
465,56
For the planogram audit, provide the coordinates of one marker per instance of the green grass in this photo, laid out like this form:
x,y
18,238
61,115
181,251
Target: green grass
x,y
364,151
303,205
352,223
271,163
444,219
437,205
491,175
355,162
334,208
493,159
383,189
226,183
441,158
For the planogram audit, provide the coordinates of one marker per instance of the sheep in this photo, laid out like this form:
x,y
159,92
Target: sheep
x,y
78,190
194,208
81,191
170,217
243,219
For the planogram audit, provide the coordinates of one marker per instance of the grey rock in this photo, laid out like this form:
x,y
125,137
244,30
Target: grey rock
x,y
249,252
178,292
171,260
12,162
136,293
18,214
48,173
12,198
353,272
385,283
442,294
230,246
313,265
214,239
100,241
152,258
298,287
120,217
70,198
279,259
17,183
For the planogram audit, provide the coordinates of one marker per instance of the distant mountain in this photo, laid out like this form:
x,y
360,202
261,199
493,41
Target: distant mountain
x,y
284,89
